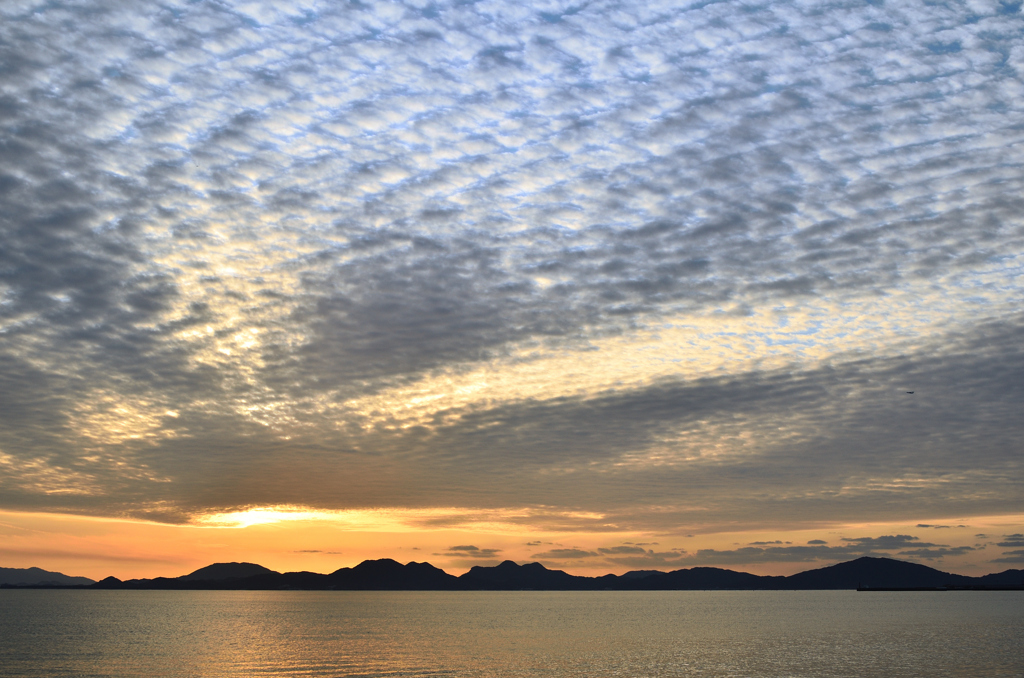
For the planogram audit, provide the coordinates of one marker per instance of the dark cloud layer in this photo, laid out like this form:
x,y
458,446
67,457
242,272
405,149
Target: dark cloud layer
x,y
1014,542
470,552
901,546
225,226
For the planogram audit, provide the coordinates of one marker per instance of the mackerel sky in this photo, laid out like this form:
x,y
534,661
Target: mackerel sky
x,y
605,268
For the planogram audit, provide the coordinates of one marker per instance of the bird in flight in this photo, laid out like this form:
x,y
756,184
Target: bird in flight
x,y
910,392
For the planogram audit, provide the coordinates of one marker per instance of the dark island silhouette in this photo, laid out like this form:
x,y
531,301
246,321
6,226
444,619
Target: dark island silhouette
x,y
222,571
866,574
33,576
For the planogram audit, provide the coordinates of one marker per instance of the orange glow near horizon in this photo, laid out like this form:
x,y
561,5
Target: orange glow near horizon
x,y
292,539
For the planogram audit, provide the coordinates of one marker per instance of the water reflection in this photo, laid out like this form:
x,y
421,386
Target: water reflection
x,y
510,634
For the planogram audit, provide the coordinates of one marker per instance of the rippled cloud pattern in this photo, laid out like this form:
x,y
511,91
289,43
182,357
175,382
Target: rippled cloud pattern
x,y
635,266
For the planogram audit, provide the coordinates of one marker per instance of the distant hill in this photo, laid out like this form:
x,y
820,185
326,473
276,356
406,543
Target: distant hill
x,y
33,576
876,573
222,571
701,578
512,576
389,575
639,574
1006,578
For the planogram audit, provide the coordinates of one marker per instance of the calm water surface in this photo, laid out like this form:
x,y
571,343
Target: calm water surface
x,y
542,634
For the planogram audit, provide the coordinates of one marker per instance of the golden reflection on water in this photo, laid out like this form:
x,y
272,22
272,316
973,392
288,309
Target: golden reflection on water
x,y
510,634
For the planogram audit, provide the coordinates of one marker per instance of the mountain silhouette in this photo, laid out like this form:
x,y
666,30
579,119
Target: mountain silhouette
x,y
866,573
221,571
700,578
1005,578
639,574
510,576
387,574
875,573
33,576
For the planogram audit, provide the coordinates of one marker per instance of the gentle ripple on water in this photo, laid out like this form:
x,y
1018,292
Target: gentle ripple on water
x,y
510,634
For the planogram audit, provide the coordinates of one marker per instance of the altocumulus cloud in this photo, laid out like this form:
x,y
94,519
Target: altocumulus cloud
x,y
901,545
904,546
450,254
563,554
470,551
1014,542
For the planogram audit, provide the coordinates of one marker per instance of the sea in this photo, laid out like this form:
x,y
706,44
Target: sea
x,y
511,634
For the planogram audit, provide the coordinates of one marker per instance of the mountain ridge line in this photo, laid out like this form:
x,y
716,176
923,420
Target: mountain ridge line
x,y
865,573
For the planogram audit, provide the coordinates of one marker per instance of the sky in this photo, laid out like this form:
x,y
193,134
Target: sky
x,y
606,285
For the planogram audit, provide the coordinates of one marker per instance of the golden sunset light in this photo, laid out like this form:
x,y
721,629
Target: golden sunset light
x,y
612,287
540,339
